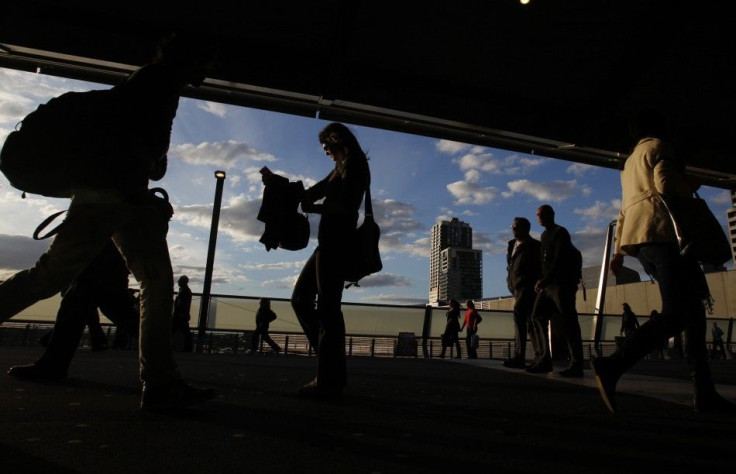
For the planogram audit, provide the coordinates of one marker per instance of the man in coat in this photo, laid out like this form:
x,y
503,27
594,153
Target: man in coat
x,y
524,268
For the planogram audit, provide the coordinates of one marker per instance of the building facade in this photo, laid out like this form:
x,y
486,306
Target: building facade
x,y
455,268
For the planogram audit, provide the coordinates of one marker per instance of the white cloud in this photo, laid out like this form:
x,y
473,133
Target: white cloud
x,y
224,154
600,211
722,198
450,147
580,169
554,191
470,193
215,108
481,160
472,176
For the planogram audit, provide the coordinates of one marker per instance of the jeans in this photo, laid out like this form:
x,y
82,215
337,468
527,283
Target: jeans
x,y
682,287
321,281
472,351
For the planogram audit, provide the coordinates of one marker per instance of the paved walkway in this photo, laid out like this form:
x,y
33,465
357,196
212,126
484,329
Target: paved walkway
x,y
398,416
666,388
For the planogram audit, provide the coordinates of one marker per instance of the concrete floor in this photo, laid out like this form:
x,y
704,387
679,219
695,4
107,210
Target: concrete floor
x,y
398,416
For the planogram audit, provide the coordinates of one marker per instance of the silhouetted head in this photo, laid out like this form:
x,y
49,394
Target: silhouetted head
x,y
183,280
545,215
520,227
454,304
470,304
626,307
188,56
647,122
264,302
339,142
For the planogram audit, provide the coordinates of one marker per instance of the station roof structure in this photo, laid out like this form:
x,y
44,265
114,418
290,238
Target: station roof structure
x,y
558,78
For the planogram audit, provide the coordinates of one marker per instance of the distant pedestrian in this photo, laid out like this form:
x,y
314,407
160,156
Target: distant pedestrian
x,y
523,267
451,337
182,315
472,319
264,317
629,323
717,335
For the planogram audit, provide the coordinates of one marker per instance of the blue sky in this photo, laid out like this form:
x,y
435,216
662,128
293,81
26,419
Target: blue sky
x,y
417,181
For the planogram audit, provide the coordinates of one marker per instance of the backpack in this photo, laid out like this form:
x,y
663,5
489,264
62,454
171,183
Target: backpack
x,y
62,144
576,264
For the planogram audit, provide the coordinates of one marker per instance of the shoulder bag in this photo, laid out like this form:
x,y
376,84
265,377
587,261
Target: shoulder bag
x,y
366,258
699,234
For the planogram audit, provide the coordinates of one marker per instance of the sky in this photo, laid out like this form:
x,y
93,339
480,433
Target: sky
x,y
416,182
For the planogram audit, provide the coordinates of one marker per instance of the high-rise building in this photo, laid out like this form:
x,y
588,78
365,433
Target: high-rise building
x,y
455,269
731,218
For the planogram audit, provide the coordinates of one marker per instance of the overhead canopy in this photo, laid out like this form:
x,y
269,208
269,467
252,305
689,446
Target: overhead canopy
x,y
554,77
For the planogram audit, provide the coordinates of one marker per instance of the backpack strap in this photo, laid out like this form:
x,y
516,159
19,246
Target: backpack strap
x,y
45,223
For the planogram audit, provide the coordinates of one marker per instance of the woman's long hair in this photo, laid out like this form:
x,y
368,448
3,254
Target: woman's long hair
x,y
337,135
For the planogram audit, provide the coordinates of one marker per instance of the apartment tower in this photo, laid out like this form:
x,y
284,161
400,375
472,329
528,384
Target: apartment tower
x,y
455,269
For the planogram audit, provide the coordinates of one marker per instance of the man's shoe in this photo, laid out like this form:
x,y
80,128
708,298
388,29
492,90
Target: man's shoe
x,y
177,394
541,368
316,391
37,372
606,377
572,372
712,402
515,363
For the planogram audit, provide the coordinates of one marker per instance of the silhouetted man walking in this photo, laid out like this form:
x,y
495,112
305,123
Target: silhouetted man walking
x,y
556,291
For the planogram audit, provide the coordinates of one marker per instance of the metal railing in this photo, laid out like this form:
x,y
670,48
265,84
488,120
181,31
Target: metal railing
x,y
229,341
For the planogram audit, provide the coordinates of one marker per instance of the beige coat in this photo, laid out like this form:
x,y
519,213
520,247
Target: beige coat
x,y
643,218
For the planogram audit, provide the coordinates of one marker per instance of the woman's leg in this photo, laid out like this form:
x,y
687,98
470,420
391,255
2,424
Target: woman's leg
x,y
303,300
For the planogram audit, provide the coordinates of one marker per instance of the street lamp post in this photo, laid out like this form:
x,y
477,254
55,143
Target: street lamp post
x,y
205,302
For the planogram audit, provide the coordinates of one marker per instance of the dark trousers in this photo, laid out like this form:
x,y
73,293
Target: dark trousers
x,y
448,340
181,325
682,287
558,300
80,303
259,334
523,306
472,352
718,346
316,301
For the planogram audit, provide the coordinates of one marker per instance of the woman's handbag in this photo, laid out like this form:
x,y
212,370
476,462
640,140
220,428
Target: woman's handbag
x,y
366,256
698,231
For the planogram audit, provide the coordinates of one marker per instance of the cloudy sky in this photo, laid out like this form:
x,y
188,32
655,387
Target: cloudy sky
x,y
417,181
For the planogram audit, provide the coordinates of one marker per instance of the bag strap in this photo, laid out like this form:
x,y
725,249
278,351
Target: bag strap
x,y
45,223
368,204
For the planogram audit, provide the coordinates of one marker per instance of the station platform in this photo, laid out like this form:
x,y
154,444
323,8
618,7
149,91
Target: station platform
x,y
402,415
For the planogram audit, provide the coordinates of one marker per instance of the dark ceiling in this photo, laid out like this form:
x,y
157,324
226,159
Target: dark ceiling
x,y
555,77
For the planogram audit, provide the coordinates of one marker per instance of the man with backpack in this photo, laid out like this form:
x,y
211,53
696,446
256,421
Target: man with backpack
x,y
556,291
115,202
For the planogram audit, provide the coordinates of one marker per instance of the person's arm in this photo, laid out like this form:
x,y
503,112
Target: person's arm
x,y
313,194
353,180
